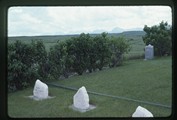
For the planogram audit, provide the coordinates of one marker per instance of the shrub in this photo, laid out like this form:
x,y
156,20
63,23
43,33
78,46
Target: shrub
x,y
21,69
92,54
118,46
27,62
160,37
57,58
102,50
78,50
41,58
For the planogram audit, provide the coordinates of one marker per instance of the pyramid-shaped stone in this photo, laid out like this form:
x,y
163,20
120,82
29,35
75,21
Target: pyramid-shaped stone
x,y
81,99
142,112
40,90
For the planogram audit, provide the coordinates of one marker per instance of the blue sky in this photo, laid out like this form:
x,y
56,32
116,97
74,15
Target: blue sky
x,y
31,21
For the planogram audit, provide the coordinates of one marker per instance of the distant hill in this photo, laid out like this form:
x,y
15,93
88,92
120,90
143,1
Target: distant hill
x,y
45,37
134,37
130,33
116,30
52,38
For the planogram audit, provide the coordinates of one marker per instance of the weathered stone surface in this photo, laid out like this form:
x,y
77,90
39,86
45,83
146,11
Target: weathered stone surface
x,y
40,90
81,99
149,52
142,112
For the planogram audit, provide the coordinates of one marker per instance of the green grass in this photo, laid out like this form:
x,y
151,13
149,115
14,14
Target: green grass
x,y
149,80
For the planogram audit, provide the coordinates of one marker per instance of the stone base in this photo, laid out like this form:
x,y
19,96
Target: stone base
x,y
91,107
37,99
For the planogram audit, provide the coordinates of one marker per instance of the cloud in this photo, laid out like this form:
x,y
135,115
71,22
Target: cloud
x,y
154,15
72,20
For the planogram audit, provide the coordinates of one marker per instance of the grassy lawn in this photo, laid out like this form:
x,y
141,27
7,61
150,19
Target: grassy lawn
x,y
149,80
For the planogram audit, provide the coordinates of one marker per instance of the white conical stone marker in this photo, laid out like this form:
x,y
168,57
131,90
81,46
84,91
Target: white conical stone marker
x,y
142,112
81,99
40,90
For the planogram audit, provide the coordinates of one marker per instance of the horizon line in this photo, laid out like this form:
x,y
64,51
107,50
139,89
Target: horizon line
x,y
71,34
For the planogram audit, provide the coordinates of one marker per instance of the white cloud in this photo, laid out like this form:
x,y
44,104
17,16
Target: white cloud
x,y
71,20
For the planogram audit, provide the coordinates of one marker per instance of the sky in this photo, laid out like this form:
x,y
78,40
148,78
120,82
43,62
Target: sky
x,y
34,21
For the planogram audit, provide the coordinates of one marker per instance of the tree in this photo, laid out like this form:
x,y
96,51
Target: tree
x,y
41,58
21,69
102,50
78,50
118,46
92,54
160,36
57,59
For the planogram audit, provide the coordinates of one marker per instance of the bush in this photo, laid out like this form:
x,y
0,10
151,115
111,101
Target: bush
x,y
78,50
92,54
102,50
27,62
21,69
41,58
160,37
118,46
58,59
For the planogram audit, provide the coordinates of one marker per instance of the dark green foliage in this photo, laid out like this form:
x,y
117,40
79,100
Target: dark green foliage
x,y
58,59
78,49
118,46
92,54
40,57
102,50
21,68
28,62
160,37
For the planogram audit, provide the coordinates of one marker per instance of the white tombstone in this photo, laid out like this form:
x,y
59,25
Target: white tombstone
x,y
149,52
142,112
40,90
81,99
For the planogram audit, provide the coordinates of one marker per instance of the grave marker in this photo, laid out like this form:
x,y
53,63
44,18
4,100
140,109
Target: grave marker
x,y
81,99
142,112
149,52
40,90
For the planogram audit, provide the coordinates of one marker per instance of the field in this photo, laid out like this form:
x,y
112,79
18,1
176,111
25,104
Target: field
x,y
149,80
134,37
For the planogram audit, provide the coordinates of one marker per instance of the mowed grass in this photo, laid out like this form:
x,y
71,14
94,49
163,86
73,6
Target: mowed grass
x,y
149,80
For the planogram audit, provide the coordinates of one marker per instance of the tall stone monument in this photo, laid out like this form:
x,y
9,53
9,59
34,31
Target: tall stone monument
x,y
149,52
81,99
142,112
40,90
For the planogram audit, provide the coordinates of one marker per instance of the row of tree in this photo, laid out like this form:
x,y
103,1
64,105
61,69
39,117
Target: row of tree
x,y
27,62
